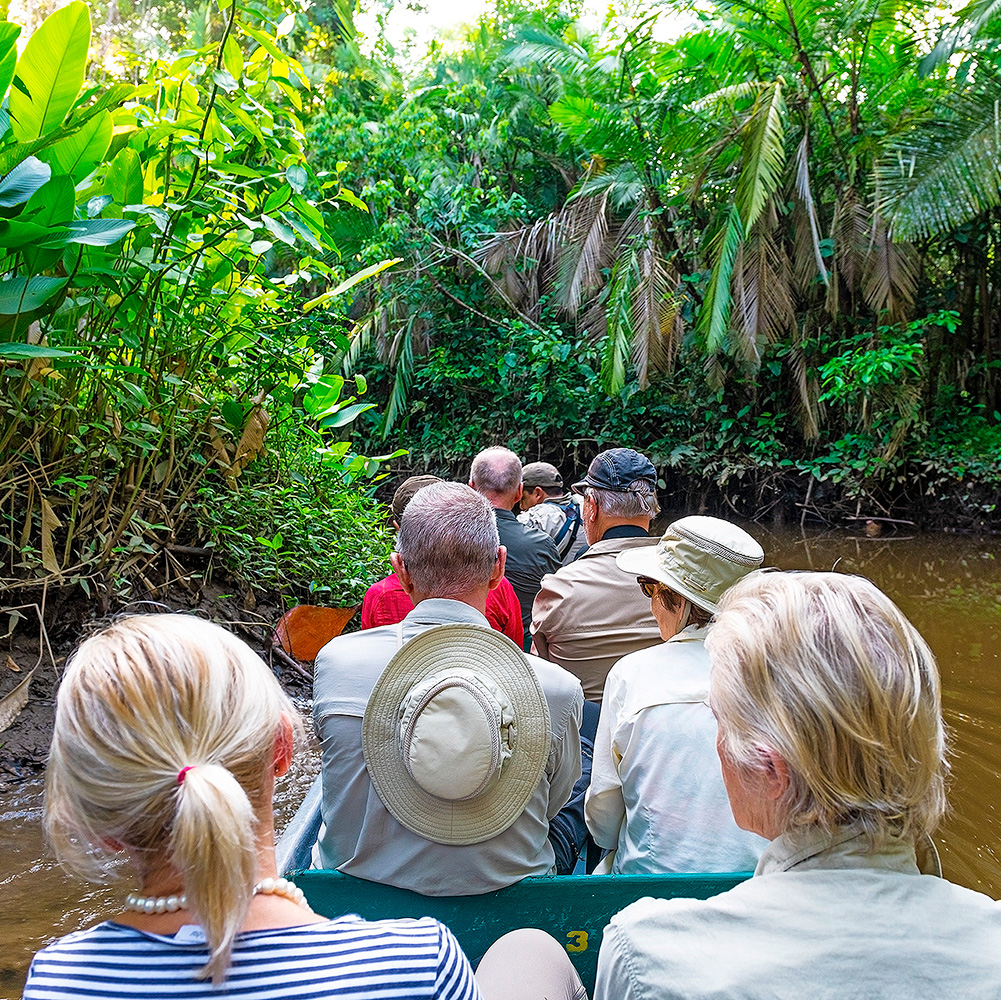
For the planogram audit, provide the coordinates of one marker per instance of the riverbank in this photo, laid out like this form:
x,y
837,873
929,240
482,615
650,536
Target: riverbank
x,y
41,651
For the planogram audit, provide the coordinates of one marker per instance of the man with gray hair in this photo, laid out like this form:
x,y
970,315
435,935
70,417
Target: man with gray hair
x,y
448,558
496,473
590,613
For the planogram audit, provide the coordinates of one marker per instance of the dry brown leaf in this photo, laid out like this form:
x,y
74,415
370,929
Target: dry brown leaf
x,y
49,524
11,665
251,441
222,452
306,629
11,704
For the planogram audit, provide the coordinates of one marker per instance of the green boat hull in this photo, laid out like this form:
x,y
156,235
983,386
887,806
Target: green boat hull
x,y
573,908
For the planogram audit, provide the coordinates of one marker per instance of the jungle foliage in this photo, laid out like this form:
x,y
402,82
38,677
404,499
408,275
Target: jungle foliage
x,y
766,251
161,319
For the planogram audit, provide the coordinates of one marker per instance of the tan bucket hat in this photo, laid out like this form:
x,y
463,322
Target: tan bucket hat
x,y
698,557
456,734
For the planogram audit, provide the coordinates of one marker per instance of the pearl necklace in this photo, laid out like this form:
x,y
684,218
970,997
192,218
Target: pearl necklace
x,y
171,904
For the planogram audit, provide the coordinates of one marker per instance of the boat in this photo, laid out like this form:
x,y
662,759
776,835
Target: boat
x,y
573,908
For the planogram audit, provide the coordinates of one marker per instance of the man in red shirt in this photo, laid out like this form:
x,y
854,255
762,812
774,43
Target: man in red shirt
x,y
386,602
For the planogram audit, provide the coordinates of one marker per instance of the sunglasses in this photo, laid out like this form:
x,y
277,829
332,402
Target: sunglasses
x,y
650,587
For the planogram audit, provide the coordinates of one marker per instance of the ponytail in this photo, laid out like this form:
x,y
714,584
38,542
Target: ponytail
x,y
213,847
164,740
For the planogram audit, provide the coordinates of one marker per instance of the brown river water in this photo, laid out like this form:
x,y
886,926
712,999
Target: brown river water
x,y
948,585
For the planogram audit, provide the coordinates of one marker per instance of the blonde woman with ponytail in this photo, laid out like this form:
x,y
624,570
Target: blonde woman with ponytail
x,y
169,735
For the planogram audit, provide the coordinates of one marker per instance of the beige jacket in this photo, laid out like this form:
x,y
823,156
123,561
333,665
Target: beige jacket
x,y
589,614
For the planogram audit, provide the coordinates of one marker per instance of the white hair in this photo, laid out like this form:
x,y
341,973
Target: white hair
x,y
824,670
639,500
140,701
448,539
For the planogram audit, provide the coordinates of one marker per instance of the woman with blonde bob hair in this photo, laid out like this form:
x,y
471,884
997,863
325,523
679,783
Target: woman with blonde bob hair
x,y
168,737
831,744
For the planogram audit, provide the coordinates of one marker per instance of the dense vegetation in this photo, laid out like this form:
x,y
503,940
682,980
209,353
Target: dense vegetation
x,y
765,252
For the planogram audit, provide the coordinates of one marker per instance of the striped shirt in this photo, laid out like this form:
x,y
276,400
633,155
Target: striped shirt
x,y
348,959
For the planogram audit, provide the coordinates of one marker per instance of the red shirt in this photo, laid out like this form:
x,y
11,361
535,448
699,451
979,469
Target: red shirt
x,y
386,603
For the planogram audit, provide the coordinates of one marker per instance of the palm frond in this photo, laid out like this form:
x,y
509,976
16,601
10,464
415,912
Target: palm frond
x,y
891,272
715,315
947,172
655,314
850,230
762,300
970,21
397,403
807,389
763,154
806,198
619,334
584,251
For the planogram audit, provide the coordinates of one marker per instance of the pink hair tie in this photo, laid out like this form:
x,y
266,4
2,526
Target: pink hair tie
x,y
183,772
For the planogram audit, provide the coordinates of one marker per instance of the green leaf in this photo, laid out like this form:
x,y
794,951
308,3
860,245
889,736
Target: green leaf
x,y
98,232
125,180
279,230
50,72
23,181
33,351
362,275
19,295
296,177
8,54
345,416
232,57
15,234
46,207
264,41
78,154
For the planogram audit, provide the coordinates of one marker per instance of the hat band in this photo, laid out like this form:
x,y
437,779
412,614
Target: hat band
x,y
497,754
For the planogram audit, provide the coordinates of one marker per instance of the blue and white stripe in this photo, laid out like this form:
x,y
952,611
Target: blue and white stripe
x,y
348,958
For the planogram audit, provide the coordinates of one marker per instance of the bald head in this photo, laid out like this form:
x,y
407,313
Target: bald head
x,y
496,473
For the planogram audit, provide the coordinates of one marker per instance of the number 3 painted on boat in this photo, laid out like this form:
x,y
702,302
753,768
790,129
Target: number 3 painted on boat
x,y
576,941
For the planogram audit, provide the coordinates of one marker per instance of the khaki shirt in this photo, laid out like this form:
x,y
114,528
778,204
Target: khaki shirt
x,y
824,918
590,613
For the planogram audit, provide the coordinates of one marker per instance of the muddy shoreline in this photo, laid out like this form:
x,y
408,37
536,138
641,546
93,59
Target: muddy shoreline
x,y
24,745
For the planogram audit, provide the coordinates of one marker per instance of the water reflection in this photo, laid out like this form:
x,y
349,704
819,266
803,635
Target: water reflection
x,y
949,586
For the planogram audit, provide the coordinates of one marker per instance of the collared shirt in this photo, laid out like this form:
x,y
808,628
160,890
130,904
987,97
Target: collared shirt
x,y
551,516
657,796
387,603
590,614
825,917
531,554
361,838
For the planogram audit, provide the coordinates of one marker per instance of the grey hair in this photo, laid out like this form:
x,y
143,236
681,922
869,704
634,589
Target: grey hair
x,y
142,700
638,500
824,670
496,471
448,539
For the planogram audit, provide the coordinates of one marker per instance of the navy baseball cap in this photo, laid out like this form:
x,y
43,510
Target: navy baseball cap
x,y
616,469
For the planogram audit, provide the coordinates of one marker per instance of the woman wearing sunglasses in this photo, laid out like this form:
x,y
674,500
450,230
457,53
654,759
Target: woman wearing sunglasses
x,y
657,798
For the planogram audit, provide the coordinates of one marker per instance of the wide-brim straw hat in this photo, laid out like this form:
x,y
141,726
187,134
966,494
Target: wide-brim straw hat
x,y
456,734
698,557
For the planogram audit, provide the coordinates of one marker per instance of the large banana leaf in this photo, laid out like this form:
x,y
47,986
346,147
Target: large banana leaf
x,y
8,53
50,72
23,181
78,154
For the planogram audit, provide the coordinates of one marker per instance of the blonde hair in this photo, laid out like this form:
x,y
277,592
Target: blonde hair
x,y
824,670
139,701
